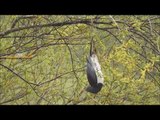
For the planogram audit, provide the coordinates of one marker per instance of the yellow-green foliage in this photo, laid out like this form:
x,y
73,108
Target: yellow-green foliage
x,y
128,49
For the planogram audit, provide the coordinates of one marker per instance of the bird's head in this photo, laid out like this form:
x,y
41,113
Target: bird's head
x,y
94,89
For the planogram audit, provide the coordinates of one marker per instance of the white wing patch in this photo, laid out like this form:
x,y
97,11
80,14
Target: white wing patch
x,y
97,68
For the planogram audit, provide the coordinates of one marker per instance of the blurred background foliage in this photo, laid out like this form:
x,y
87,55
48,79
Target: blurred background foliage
x,y
43,59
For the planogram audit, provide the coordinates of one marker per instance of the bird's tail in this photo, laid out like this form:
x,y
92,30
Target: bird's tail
x,y
92,47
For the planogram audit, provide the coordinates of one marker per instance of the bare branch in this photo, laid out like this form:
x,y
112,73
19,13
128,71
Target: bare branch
x,y
30,83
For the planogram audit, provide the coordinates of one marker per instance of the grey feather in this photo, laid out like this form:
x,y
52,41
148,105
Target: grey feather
x,y
95,89
91,74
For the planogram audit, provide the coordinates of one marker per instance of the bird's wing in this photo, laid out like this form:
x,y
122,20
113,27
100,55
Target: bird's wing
x,y
97,68
91,74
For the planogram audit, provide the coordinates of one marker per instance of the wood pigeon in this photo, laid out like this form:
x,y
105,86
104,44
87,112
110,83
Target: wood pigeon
x,y
94,73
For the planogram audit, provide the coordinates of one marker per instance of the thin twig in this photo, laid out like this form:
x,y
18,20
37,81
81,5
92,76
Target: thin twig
x,y
30,83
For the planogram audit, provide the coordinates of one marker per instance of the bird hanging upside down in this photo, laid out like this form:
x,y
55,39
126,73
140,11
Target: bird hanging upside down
x,y
94,73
